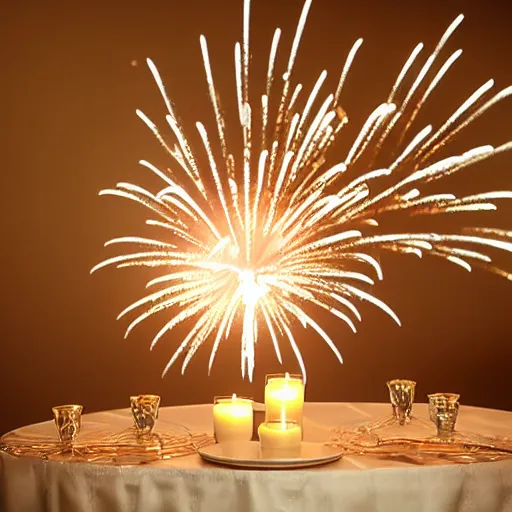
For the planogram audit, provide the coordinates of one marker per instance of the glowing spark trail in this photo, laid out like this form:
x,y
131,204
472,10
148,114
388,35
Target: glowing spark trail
x,y
267,233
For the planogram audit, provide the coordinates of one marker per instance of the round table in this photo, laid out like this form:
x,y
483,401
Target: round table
x,y
188,484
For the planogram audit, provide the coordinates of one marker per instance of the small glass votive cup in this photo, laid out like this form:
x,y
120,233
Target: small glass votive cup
x,y
280,439
443,411
145,412
284,397
401,394
233,418
68,420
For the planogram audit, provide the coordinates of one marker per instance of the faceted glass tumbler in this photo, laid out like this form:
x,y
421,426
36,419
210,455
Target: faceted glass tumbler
x,y
144,412
401,394
443,411
68,420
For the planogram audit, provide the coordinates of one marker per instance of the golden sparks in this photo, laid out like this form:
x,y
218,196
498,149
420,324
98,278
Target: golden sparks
x,y
267,232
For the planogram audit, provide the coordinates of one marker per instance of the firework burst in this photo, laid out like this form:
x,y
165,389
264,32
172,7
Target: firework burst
x,y
279,230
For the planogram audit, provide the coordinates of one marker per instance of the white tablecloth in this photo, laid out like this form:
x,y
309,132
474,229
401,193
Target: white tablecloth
x,y
188,484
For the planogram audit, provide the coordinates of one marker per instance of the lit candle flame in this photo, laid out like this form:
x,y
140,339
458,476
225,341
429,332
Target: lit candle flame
x,y
233,398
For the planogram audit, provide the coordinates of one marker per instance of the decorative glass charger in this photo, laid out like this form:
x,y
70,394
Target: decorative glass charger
x,y
403,436
77,440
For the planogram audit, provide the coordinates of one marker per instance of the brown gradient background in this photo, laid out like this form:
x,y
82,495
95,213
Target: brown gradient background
x,y
69,129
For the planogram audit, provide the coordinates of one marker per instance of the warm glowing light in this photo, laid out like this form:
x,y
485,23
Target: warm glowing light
x,y
284,397
267,233
232,419
283,416
250,290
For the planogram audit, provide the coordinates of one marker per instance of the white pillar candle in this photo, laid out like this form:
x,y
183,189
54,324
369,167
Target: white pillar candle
x,y
284,393
280,439
232,419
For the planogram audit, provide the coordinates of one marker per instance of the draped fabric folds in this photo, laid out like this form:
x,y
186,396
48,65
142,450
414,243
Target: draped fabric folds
x,y
187,484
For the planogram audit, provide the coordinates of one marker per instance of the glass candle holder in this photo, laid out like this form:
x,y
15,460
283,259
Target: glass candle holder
x,y
232,418
68,420
401,394
145,412
284,397
443,410
280,439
